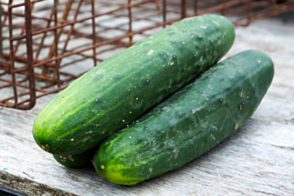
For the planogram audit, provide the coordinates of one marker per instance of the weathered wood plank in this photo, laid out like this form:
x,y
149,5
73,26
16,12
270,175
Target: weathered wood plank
x,y
257,160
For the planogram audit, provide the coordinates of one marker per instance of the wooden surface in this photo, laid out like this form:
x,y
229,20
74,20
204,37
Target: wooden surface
x,y
257,160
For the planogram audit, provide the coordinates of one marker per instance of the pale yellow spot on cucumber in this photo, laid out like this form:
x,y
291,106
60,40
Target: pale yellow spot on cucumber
x,y
118,178
70,158
196,109
241,93
150,52
215,22
63,159
85,139
212,136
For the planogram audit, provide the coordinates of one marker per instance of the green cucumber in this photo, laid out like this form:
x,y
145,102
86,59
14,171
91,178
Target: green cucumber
x,y
189,123
128,84
77,160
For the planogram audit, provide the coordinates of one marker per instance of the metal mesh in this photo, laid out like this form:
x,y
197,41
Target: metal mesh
x,y
48,43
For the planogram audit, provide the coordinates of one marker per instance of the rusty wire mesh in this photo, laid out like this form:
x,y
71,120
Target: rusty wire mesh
x,y
48,43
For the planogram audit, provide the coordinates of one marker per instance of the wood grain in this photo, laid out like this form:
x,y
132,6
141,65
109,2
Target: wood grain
x,y
257,160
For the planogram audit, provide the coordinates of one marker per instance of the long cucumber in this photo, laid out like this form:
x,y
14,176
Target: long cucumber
x,y
189,123
128,84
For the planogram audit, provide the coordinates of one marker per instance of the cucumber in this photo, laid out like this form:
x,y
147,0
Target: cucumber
x,y
128,84
189,123
77,160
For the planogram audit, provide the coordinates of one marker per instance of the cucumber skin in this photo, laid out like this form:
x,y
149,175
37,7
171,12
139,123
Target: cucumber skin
x,y
128,84
77,160
189,123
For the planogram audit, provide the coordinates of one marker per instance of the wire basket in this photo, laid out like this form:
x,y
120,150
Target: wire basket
x,y
48,43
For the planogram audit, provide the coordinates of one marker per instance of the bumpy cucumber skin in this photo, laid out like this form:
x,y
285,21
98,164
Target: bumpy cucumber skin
x,y
77,160
189,123
124,87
